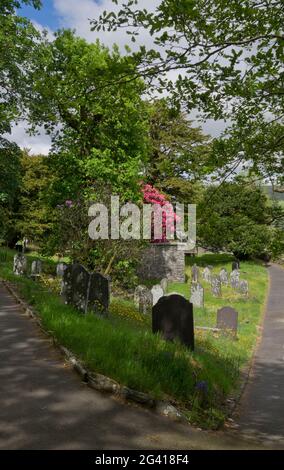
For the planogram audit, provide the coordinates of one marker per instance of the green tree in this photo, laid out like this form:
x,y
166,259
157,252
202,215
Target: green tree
x,y
34,216
17,44
97,129
179,153
242,220
9,187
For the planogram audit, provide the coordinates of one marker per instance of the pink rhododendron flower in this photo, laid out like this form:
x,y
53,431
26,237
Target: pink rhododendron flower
x,y
152,196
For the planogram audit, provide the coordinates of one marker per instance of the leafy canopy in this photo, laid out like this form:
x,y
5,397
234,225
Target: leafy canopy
x,y
242,220
97,128
228,57
178,154
17,43
9,186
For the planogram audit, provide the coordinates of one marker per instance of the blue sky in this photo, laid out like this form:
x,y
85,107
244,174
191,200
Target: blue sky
x,y
47,16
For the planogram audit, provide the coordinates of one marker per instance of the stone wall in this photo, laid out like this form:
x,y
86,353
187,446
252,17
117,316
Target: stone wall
x,y
163,260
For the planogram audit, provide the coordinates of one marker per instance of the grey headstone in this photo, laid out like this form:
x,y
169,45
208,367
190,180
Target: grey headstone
x,y
143,299
235,279
197,295
227,319
207,274
60,268
99,293
164,284
216,286
172,316
36,268
75,286
224,276
84,290
20,265
235,265
243,287
157,293
194,273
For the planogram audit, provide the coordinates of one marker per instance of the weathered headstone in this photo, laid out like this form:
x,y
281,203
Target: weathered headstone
x,y
244,287
157,293
194,273
60,268
143,299
235,265
66,285
36,268
197,295
20,265
164,284
227,319
235,279
216,286
75,286
99,293
84,290
224,276
207,274
172,316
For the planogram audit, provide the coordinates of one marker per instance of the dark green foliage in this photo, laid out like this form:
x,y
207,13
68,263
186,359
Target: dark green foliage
x,y
17,43
9,185
34,215
238,218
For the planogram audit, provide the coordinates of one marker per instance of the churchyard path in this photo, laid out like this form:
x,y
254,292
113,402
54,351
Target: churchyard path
x,y
261,413
44,405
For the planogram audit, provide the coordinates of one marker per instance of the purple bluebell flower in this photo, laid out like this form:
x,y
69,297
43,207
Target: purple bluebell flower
x,y
202,386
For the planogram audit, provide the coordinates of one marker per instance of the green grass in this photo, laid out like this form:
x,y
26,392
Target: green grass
x,y
123,347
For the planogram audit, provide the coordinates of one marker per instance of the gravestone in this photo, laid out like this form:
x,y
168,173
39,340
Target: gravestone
x,y
207,274
20,265
84,290
36,268
227,319
60,268
66,285
143,299
164,284
244,287
216,286
197,295
157,293
172,316
194,273
235,265
99,293
235,279
75,286
224,276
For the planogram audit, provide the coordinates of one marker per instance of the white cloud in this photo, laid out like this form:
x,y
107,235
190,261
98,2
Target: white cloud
x,y
77,15
41,29
38,144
